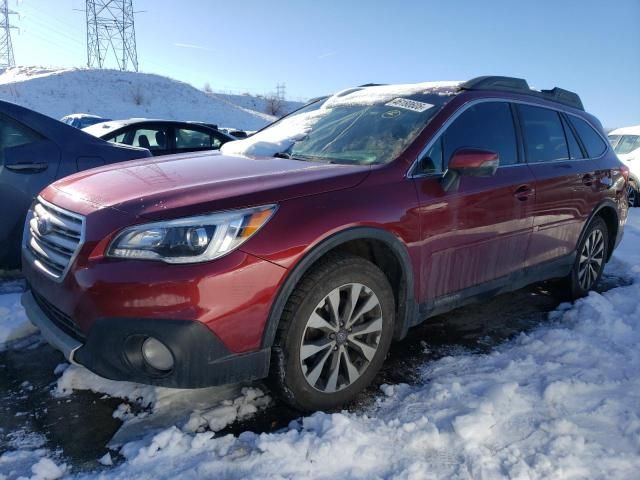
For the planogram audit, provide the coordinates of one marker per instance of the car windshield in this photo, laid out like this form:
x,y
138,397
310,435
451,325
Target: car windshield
x,y
627,144
363,126
88,121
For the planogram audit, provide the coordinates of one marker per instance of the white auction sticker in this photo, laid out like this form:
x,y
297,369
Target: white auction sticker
x,y
407,104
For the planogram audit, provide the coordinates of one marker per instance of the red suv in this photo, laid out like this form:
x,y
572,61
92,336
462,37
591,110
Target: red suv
x,y
300,253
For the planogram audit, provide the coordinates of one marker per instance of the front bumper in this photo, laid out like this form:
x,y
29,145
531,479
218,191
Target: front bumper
x,y
53,334
112,350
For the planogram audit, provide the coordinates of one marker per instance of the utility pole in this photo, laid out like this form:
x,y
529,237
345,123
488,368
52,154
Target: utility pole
x,y
111,32
7,59
280,91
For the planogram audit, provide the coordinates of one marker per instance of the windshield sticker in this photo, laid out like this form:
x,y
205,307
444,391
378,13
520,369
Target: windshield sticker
x,y
391,114
407,104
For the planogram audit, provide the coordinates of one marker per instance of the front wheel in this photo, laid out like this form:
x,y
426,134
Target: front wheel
x,y
334,334
591,257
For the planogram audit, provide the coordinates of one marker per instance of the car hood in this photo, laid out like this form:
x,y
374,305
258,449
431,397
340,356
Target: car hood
x,y
178,185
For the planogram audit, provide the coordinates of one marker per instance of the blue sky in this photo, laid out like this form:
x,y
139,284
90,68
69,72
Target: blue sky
x,y
317,47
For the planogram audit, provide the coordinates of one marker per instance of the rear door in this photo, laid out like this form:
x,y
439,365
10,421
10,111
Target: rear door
x,y
480,231
556,160
596,171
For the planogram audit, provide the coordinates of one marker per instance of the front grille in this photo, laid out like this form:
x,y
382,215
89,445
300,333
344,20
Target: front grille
x,y
57,316
53,236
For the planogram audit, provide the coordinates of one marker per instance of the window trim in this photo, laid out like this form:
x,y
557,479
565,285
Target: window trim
x,y
465,106
566,123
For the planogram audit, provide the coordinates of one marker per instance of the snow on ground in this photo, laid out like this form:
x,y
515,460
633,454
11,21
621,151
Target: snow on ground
x,y
14,324
116,95
562,401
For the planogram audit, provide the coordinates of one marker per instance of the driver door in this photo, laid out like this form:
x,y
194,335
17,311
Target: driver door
x,y
478,232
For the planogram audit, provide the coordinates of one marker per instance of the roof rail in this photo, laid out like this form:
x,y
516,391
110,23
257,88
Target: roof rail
x,y
520,85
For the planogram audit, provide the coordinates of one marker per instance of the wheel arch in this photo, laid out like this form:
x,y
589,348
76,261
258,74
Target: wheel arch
x,y
371,243
608,211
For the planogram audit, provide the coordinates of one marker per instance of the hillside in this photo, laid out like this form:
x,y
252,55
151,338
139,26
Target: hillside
x,y
115,94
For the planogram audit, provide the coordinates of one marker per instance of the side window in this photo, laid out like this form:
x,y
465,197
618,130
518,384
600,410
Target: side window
x,y
592,142
13,134
117,138
187,139
150,138
488,126
432,161
575,152
543,135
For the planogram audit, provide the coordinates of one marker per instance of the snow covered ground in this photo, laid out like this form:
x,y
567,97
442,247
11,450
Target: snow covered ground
x,y
114,94
561,401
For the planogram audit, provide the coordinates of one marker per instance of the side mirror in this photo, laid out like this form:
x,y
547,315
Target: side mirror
x,y
471,162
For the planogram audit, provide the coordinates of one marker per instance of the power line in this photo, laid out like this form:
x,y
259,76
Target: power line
x,y
111,28
6,47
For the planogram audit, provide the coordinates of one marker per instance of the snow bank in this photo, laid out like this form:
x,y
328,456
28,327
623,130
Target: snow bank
x,y
13,320
117,95
196,410
75,377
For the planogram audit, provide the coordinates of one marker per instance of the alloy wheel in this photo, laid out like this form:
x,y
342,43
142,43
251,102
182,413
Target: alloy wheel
x,y
341,337
591,259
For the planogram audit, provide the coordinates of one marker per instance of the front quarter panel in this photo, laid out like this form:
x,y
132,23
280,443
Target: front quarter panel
x,y
301,224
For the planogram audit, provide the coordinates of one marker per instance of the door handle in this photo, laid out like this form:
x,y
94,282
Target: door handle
x,y
523,192
27,167
588,180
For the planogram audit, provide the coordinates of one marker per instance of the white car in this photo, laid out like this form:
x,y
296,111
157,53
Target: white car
x,y
626,144
82,120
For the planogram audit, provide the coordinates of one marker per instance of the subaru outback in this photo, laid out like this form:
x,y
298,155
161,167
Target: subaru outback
x,y
299,254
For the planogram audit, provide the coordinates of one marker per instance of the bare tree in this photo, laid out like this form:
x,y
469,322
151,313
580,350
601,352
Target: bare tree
x,y
274,105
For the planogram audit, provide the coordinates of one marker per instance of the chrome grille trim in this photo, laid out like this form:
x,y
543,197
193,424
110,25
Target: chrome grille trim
x,y
53,251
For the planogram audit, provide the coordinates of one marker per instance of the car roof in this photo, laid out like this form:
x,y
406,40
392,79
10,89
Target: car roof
x,y
632,130
81,115
103,128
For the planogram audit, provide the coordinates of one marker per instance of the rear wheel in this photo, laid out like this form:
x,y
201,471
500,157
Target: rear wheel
x,y
334,334
590,260
633,194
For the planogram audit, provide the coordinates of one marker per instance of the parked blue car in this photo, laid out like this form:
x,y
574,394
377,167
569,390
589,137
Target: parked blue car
x,y
35,150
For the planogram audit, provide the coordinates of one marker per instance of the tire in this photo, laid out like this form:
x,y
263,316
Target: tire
x,y
593,250
633,194
308,381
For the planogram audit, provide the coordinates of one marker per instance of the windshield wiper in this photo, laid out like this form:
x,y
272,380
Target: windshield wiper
x,y
312,158
282,155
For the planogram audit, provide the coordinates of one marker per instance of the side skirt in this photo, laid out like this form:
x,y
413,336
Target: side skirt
x,y
545,271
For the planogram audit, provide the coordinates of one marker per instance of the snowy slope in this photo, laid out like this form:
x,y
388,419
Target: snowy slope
x,y
258,103
115,94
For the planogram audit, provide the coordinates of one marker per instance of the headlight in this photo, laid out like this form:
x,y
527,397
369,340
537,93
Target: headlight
x,y
192,239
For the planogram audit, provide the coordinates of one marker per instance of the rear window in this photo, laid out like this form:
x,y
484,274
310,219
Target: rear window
x,y
593,142
14,134
544,138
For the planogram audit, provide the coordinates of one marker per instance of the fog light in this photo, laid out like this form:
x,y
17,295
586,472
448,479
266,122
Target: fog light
x,y
157,355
